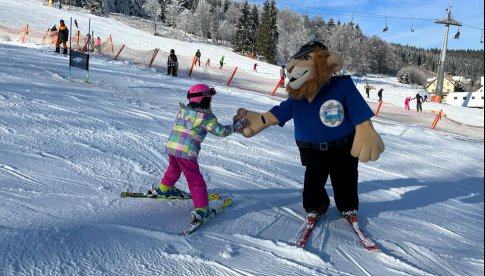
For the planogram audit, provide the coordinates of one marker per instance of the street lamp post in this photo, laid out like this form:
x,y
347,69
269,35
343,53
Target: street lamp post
x,y
441,68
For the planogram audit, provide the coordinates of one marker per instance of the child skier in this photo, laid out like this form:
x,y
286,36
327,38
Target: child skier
x,y
192,123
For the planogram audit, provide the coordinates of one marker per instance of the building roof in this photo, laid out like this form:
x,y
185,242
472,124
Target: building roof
x,y
450,79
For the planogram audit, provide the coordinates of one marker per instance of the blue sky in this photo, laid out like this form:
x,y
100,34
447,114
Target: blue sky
x,y
372,16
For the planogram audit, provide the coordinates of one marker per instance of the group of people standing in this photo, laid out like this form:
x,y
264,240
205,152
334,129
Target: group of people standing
x,y
419,98
419,102
172,62
368,88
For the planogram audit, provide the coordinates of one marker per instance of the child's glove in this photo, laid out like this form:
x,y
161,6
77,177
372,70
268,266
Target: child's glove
x,y
239,124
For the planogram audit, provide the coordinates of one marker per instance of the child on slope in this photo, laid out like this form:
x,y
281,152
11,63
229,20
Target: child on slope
x,y
192,124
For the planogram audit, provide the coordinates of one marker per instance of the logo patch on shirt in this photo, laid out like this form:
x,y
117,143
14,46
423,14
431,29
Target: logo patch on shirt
x,y
332,113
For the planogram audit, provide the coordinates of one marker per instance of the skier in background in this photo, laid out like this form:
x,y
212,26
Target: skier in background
x,y
406,102
172,64
419,99
282,76
192,124
98,45
379,94
221,62
197,57
367,89
62,37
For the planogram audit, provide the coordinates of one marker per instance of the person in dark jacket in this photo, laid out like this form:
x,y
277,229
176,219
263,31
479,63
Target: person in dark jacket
x,y
379,94
62,37
419,99
367,89
172,64
197,57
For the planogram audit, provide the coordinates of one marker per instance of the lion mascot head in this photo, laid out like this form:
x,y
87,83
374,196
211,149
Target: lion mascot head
x,y
309,69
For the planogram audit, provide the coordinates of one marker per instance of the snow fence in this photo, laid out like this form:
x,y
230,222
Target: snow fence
x,y
232,76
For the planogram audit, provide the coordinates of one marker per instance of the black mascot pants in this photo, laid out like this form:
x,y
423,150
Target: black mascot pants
x,y
342,168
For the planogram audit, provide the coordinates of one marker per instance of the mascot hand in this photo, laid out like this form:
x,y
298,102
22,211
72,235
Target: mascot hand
x,y
257,122
368,145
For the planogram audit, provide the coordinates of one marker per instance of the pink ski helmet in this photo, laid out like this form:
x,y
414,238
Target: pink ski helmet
x,y
199,91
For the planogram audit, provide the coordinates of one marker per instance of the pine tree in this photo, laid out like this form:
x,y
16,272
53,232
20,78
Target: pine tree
x,y
242,39
330,24
136,7
94,6
163,10
254,17
226,5
267,38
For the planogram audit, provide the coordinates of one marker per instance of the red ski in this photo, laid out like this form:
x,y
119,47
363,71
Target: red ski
x,y
305,231
364,239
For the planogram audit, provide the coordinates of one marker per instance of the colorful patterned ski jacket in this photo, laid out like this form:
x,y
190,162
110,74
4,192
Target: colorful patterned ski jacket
x,y
191,127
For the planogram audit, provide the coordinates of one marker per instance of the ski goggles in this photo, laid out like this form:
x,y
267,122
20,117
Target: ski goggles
x,y
210,92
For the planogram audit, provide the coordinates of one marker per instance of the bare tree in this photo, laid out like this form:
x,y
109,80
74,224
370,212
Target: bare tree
x,y
186,21
173,11
203,17
154,10
293,34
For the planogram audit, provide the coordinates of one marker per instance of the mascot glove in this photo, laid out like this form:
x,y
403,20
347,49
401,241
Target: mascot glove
x,y
368,145
256,122
239,124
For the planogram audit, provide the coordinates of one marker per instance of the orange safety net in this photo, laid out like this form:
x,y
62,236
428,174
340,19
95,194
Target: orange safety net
x,y
242,78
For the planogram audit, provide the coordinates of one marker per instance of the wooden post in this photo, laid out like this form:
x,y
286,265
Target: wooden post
x,y
436,119
378,108
155,52
276,87
192,66
119,52
45,35
111,41
25,33
232,76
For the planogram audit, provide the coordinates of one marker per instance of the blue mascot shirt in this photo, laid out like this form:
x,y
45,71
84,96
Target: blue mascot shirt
x,y
333,114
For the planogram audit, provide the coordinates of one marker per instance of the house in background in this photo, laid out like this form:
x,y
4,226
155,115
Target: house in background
x,y
449,85
467,99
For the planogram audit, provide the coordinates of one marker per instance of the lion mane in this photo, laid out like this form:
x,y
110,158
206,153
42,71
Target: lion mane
x,y
322,76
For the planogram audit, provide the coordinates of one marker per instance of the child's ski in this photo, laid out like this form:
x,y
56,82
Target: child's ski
x,y
211,197
196,225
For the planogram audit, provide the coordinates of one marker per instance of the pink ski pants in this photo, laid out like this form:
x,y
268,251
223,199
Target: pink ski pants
x,y
190,168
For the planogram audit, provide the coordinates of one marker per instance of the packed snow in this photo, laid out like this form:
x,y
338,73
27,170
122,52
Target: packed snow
x,y
69,148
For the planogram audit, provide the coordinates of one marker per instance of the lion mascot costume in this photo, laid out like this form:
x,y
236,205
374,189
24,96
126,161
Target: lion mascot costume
x,y
333,130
